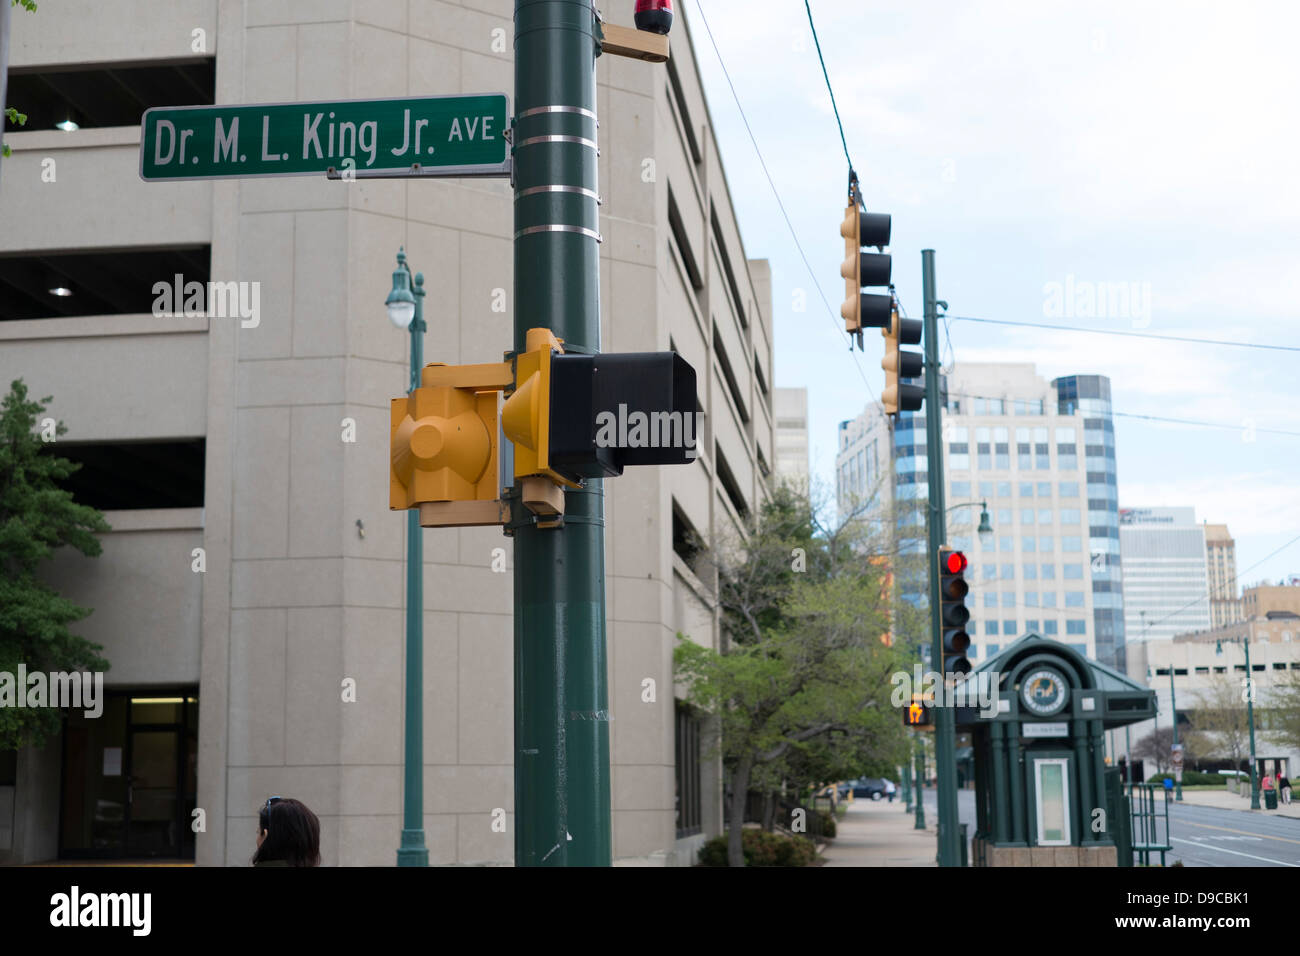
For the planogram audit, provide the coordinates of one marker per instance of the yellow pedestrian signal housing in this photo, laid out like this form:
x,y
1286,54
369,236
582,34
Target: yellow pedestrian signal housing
x,y
898,364
864,309
443,444
580,416
526,418
568,417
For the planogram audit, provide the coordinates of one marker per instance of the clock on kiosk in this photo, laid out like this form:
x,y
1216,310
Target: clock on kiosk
x,y
1044,691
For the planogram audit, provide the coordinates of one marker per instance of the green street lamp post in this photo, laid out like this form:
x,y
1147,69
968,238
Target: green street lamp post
x,y
1173,705
920,779
406,311
1250,714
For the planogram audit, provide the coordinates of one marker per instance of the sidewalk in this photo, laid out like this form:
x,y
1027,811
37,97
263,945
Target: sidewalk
x,y
1227,800
879,833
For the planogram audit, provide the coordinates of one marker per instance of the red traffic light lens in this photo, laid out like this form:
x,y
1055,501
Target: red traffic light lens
x,y
956,562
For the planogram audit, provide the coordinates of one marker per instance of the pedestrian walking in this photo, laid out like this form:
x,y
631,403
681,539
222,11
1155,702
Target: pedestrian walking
x,y
1284,788
890,790
288,834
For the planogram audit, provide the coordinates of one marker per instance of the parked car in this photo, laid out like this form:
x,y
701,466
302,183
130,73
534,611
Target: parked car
x,y
870,787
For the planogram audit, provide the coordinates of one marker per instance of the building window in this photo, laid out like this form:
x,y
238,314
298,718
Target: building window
x,y
1009,628
128,476
688,772
1031,627
1031,572
1049,628
1072,572
991,628
1069,489
1074,599
993,649
1049,572
1069,543
1076,627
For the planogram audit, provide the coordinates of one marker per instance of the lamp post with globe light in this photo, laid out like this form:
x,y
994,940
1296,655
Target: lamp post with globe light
x,y
406,311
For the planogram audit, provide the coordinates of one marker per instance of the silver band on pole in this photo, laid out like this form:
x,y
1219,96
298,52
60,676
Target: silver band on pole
x,y
540,110
580,140
581,230
577,190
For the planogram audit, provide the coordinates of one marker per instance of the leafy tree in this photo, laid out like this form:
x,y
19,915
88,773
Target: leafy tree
x,y
1222,718
1157,746
37,516
801,682
11,113
1284,702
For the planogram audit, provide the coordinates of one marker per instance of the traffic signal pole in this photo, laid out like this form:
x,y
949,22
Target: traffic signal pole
x,y
945,745
562,784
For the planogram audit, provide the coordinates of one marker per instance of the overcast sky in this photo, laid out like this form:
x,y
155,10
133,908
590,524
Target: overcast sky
x,y
1146,143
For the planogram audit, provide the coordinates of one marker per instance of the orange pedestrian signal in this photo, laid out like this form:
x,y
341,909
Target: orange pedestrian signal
x,y
917,714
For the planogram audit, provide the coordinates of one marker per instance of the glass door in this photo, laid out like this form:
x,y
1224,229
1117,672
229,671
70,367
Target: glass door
x,y
1052,797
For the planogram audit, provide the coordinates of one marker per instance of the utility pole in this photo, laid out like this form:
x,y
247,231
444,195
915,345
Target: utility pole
x,y
945,746
1250,715
562,785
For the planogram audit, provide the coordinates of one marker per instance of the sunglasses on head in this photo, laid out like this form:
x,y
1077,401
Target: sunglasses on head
x,y
269,801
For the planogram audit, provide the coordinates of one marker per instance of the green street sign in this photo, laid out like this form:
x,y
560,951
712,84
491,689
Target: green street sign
x,y
392,138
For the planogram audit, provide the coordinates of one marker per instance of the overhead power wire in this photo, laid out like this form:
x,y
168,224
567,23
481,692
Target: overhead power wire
x,y
827,76
1135,335
1153,418
776,193
1268,557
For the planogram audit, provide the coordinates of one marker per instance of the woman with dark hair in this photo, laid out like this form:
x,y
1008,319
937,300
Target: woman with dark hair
x,y
288,834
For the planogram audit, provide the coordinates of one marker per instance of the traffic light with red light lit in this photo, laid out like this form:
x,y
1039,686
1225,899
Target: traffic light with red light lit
x,y
953,613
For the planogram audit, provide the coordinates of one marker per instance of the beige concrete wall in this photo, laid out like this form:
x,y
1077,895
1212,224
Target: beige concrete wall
x,y
295,600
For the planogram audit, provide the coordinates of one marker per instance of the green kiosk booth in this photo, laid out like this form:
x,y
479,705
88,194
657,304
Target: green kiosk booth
x,y
1043,795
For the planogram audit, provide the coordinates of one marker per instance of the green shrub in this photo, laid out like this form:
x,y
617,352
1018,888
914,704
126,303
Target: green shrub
x,y
828,823
761,849
1191,778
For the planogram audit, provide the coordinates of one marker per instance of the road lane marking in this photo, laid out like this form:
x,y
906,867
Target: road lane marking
x,y
1262,836
1219,849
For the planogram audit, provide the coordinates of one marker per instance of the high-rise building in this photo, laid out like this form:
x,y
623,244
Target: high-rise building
x,y
790,408
862,462
1041,456
266,446
1221,567
1166,586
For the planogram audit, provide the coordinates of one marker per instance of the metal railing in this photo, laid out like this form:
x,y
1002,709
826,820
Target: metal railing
x,y
1150,821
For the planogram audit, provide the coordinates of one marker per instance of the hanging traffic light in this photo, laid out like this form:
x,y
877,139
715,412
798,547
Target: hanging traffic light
x,y
899,396
864,310
953,613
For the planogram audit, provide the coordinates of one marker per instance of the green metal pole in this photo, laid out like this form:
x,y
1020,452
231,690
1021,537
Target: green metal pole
x,y
1250,716
920,777
562,785
905,781
412,851
945,746
1128,758
1173,705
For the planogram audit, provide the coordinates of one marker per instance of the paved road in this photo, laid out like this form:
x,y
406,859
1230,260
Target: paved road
x,y
1200,836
